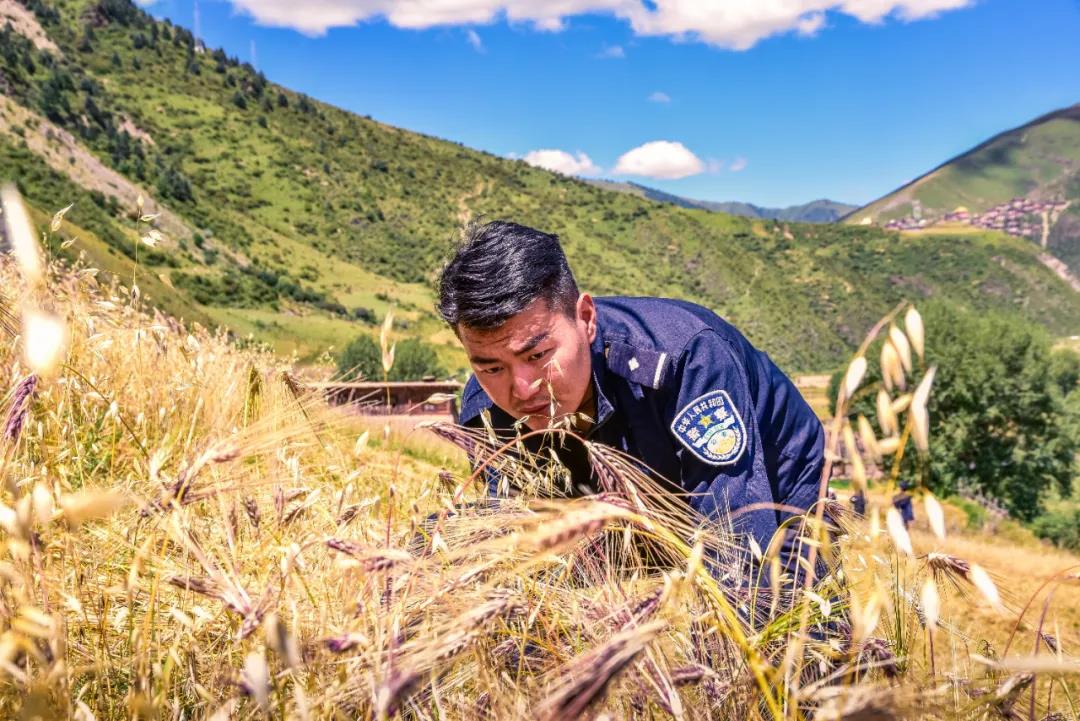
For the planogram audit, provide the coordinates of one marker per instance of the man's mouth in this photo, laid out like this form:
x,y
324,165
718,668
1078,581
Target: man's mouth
x,y
537,408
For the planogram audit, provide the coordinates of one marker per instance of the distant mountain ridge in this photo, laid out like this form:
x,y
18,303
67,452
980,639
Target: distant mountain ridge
x,y
816,211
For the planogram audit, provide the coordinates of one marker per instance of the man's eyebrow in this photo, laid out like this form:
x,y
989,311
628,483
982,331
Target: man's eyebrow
x,y
480,360
532,343
528,346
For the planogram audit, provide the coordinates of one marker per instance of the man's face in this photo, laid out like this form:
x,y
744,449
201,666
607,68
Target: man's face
x,y
538,357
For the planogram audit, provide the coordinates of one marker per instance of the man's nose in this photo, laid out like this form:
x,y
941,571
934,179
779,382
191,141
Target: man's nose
x,y
526,384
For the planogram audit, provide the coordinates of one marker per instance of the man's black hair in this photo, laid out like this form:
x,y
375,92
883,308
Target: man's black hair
x,y
498,270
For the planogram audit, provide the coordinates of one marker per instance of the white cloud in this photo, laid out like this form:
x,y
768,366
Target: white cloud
x,y
733,24
741,24
808,25
738,164
659,97
474,40
663,159
561,161
613,52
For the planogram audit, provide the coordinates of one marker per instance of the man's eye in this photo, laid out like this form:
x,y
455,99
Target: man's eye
x,y
538,355
490,371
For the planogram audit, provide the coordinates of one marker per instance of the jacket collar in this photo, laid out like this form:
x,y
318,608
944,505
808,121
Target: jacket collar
x,y
600,375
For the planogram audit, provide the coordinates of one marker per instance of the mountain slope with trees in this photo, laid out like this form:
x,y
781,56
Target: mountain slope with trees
x,y
1038,162
301,223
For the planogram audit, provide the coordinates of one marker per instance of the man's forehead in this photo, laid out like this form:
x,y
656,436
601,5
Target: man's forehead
x,y
516,332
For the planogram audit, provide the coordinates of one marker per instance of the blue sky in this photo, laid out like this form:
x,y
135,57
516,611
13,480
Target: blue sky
x,y
771,103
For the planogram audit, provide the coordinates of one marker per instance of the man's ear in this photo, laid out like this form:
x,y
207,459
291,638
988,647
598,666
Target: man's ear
x,y
586,313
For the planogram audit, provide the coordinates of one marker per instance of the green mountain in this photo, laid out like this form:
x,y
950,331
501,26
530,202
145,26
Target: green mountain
x,y
816,211
1024,182
303,224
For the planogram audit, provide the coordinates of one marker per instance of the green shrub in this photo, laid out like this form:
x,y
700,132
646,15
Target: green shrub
x,y
1060,526
360,359
413,360
999,419
976,514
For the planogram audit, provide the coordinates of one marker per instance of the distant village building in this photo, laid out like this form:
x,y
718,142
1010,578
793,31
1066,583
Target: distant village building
x,y
960,215
396,398
1020,217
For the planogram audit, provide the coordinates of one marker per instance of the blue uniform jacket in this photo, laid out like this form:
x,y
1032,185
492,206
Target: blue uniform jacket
x,y
682,390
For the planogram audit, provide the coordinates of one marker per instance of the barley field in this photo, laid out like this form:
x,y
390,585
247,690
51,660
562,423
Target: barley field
x,y
186,533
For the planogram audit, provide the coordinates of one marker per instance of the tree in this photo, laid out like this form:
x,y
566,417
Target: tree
x,y
174,184
360,359
413,360
999,422
1060,526
54,99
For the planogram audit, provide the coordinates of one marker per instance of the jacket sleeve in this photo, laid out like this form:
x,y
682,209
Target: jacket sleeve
x,y
718,441
474,403
491,480
489,474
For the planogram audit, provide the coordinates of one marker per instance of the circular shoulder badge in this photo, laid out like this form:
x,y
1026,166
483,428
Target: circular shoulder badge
x,y
711,428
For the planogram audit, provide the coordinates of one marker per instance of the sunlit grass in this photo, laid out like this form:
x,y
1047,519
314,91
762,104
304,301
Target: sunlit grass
x,y
187,533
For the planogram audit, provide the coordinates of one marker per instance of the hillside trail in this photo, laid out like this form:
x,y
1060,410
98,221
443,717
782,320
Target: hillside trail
x,y
1060,270
25,23
464,212
63,152
1048,220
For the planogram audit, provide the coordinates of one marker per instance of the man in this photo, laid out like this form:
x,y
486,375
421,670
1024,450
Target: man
x,y
668,382
902,502
858,504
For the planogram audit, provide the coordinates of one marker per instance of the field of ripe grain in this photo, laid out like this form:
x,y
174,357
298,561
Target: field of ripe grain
x,y
185,533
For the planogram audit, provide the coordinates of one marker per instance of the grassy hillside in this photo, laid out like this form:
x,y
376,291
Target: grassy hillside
x,y
303,224
183,535
1039,161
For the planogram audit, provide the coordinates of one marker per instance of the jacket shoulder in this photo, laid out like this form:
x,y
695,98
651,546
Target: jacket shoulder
x,y
644,338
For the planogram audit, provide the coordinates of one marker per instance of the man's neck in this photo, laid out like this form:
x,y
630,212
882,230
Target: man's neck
x,y
585,418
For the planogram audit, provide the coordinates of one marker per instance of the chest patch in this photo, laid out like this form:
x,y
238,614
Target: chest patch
x,y
711,428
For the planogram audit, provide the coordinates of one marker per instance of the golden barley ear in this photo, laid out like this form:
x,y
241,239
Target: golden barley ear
x,y
9,322
384,342
21,236
913,326
254,395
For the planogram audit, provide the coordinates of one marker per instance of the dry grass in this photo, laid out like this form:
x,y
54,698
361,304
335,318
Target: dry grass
x,y
186,536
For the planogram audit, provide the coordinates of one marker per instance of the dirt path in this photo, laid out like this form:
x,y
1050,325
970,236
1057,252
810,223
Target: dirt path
x,y
1048,220
464,213
1060,270
66,155
25,23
